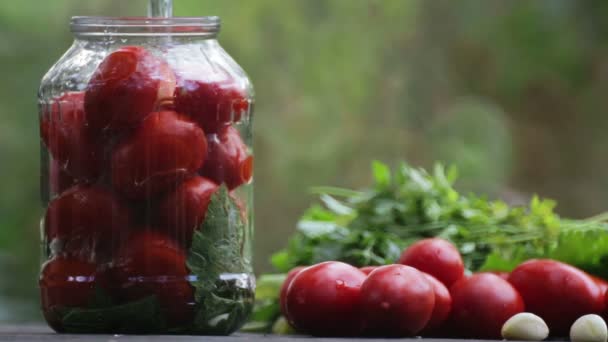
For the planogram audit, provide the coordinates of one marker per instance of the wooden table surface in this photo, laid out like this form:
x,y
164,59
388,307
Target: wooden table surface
x,y
37,332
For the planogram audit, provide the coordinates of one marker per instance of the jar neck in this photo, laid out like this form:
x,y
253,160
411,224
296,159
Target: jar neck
x,y
125,27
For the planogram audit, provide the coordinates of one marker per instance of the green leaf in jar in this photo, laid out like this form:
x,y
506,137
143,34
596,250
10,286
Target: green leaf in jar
x,y
223,289
139,316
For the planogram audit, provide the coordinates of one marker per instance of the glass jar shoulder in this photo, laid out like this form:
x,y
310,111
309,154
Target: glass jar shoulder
x,y
72,71
201,60
206,61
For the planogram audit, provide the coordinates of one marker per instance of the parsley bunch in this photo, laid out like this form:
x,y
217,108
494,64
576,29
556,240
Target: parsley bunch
x,y
373,226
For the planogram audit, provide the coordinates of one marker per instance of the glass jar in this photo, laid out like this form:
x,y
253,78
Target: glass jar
x,y
146,180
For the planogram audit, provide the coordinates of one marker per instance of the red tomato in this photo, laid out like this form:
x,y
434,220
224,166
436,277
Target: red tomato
x,y
323,300
59,180
396,300
165,149
228,160
442,308
87,219
436,257
151,264
368,269
183,210
503,275
557,292
213,105
601,283
283,293
65,283
72,144
129,84
605,313
481,304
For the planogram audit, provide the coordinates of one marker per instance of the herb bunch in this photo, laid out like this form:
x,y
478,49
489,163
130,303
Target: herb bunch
x,y
373,226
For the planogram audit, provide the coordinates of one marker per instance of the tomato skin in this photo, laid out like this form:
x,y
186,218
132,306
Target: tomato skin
x,y
503,275
601,283
436,257
151,264
213,105
59,180
442,308
396,300
481,304
72,144
165,149
323,300
283,293
605,313
65,283
88,219
557,292
368,269
129,84
228,160
184,209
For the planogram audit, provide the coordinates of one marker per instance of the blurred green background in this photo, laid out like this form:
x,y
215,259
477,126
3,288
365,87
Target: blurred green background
x,y
514,92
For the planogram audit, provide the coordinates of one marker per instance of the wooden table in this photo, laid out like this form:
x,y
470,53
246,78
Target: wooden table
x,y
37,332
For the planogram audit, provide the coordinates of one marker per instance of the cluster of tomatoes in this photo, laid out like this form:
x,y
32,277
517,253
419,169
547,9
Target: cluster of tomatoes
x,y
134,160
428,293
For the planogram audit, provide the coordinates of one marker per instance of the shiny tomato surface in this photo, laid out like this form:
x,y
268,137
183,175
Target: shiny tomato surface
x,y
442,308
65,283
228,160
165,149
481,304
213,105
557,292
396,300
323,300
183,210
283,292
88,220
129,84
601,283
76,148
436,257
152,264
59,180
368,269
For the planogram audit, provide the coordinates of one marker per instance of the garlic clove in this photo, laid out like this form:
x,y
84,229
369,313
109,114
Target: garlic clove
x,y
525,326
589,328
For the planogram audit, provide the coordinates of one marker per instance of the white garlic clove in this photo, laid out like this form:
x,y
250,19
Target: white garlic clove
x,y
525,326
589,328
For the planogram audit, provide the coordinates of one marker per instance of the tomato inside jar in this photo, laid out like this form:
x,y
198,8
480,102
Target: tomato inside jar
x,y
146,180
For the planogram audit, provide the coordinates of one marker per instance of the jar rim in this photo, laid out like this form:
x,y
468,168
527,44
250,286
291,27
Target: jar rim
x,y
145,26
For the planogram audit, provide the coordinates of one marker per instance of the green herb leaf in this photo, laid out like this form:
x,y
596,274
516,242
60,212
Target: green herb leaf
x,y
268,285
223,289
382,173
282,327
134,317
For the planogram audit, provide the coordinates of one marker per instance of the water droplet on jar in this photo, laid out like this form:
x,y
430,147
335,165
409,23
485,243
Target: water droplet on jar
x,y
340,284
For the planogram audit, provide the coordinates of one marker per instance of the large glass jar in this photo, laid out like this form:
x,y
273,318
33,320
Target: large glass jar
x,y
146,172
